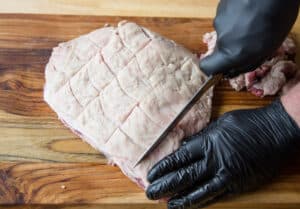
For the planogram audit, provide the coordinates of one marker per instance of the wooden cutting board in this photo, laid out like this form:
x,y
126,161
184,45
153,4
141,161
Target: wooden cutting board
x,y
42,162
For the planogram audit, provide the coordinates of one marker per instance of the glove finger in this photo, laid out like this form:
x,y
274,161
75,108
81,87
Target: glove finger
x,y
178,181
170,163
218,63
180,158
201,196
245,68
215,63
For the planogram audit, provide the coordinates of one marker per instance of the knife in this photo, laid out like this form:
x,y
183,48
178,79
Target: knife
x,y
212,80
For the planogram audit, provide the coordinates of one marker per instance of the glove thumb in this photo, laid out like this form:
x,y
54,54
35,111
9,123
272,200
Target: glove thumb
x,y
215,63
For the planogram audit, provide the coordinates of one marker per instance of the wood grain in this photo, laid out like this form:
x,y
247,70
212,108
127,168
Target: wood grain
x,y
80,183
54,183
42,162
149,206
158,8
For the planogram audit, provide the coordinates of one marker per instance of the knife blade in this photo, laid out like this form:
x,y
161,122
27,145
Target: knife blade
x,y
212,80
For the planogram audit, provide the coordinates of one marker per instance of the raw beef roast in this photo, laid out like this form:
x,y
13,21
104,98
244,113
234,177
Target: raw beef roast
x,y
271,76
118,88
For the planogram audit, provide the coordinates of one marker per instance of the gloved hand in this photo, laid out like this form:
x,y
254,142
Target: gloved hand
x,y
248,31
236,153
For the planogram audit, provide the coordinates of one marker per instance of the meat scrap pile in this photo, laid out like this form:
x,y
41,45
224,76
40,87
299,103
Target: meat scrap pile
x,y
271,76
118,88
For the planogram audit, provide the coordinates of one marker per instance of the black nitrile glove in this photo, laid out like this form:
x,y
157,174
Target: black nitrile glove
x,y
238,152
248,31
